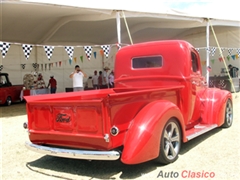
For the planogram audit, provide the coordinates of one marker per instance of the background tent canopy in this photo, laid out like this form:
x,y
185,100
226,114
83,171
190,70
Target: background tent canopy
x,y
87,24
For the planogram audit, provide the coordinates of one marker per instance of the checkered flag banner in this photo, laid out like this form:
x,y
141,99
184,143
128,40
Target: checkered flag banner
x,y
211,84
88,51
49,51
4,46
212,52
23,66
197,49
119,46
238,51
106,50
35,65
222,49
70,51
222,84
27,50
230,50
208,50
1,67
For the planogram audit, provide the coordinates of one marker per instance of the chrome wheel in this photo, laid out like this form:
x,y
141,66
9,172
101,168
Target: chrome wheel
x,y
170,142
228,114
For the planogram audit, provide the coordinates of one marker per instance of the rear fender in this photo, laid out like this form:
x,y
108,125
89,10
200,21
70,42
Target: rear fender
x,y
142,141
213,105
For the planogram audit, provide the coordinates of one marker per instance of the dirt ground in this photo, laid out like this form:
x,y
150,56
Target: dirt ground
x,y
216,152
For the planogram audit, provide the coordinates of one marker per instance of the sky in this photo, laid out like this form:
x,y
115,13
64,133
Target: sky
x,y
220,8
185,4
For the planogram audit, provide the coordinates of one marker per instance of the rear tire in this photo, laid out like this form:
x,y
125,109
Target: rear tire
x,y
170,144
228,118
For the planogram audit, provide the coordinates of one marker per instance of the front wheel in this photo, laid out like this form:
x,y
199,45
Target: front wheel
x,y
228,118
170,144
9,101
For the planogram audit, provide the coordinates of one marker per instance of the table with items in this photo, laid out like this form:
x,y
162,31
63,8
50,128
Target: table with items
x,y
33,85
33,92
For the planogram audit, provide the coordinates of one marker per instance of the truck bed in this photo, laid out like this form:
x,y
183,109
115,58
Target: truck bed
x,y
83,119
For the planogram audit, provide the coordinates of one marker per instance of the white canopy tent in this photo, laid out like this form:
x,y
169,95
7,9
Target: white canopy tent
x,y
79,23
91,23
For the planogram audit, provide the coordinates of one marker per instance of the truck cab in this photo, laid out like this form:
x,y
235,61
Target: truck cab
x,y
164,64
160,101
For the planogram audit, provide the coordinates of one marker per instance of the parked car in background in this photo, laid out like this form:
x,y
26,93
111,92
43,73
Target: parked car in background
x,y
8,93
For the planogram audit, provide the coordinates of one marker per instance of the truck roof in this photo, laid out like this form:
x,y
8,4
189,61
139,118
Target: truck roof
x,y
174,54
159,43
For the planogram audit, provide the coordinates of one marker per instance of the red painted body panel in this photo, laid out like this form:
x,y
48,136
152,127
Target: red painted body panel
x,y
213,105
143,138
83,116
12,91
142,101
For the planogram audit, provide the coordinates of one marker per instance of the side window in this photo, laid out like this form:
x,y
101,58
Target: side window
x,y
147,62
195,67
3,81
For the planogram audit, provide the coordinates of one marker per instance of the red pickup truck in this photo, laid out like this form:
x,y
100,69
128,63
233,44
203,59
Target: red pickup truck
x,y
8,92
160,101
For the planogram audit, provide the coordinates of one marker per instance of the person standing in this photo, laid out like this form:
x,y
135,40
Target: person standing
x,y
95,80
53,85
89,83
100,78
233,71
77,77
105,78
111,79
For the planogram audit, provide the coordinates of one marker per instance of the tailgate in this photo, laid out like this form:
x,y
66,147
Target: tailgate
x,y
75,123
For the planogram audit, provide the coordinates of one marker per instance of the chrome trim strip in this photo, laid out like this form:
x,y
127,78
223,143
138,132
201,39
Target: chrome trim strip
x,y
74,153
204,130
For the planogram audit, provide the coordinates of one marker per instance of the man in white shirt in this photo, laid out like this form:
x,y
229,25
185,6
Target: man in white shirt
x,y
77,77
105,78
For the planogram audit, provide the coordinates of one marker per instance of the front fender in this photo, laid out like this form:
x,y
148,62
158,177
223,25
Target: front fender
x,y
214,104
142,141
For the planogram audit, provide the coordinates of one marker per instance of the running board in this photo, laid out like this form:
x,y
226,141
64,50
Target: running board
x,y
199,129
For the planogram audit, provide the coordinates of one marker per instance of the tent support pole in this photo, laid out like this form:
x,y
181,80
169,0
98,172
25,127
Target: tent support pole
x,y
207,52
127,27
118,27
221,53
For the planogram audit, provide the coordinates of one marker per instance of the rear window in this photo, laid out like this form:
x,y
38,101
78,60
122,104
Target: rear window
x,y
195,67
147,62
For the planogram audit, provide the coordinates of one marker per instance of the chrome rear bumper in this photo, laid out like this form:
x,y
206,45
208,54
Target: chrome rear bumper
x,y
74,153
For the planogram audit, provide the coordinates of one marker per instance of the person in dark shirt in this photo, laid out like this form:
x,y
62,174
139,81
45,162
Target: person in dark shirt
x,y
233,71
53,85
100,80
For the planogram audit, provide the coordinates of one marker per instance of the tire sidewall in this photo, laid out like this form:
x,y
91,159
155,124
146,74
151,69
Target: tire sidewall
x,y
7,101
162,157
226,124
